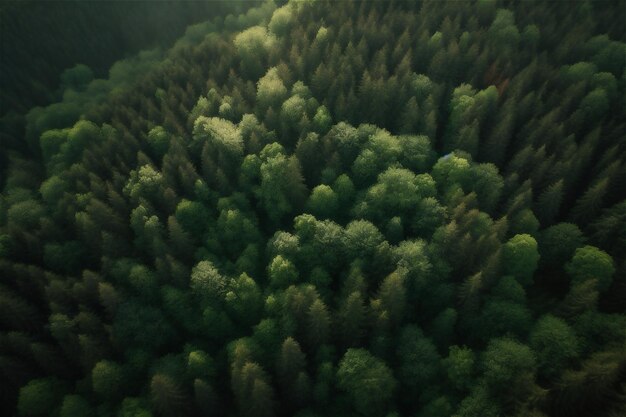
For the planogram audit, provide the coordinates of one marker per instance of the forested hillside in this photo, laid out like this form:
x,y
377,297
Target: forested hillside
x,y
376,208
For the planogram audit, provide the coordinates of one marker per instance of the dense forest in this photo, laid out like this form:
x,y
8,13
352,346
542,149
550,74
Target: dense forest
x,y
318,208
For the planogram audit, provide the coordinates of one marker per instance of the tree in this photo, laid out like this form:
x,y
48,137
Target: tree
x,y
503,317
390,303
323,202
318,324
366,380
147,183
223,138
520,257
66,257
271,92
417,154
443,327
167,397
253,46
508,367
244,299
396,192
253,393
460,366
292,112
589,263
322,120
75,406
419,362
290,362
554,344
52,190
236,231
412,260
290,367
281,21
282,273
589,204
592,388
207,282
79,136
380,153
25,214
549,203
479,403
351,320
503,34
429,215
39,396
595,105
557,243
134,407
159,142
261,400
362,239
488,184
282,187
107,380
136,325
449,170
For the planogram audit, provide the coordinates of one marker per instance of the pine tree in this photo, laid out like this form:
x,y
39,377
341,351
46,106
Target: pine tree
x,y
318,324
351,320
589,204
167,397
549,202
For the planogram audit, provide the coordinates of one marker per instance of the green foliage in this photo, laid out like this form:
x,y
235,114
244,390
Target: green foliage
x,y
207,282
323,202
396,192
281,21
520,257
282,273
554,343
282,189
26,214
167,398
589,263
271,91
138,326
133,407
451,170
478,403
507,364
39,397
253,46
340,208
221,134
558,243
362,239
460,366
419,362
159,141
75,406
107,379
366,380
192,216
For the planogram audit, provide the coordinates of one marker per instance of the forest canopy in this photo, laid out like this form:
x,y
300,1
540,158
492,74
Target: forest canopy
x,y
317,208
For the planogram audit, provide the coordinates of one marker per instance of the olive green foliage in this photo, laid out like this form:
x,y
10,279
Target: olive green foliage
x,y
366,380
321,208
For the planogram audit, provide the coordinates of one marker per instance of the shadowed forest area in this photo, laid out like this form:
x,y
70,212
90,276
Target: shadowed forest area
x,y
313,208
